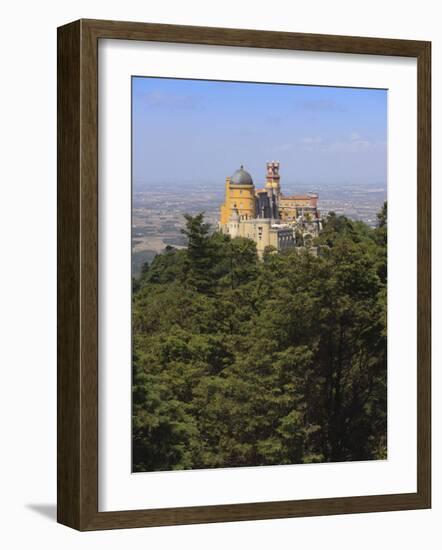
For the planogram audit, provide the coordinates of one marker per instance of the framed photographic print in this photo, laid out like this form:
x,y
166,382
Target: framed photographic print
x,y
243,331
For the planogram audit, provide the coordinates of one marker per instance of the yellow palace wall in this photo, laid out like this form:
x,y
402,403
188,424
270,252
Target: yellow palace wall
x,y
241,196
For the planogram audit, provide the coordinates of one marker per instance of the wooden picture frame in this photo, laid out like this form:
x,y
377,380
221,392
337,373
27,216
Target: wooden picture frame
x,y
78,274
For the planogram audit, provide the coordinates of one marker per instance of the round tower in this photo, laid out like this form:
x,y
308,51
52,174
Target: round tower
x,y
240,194
233,223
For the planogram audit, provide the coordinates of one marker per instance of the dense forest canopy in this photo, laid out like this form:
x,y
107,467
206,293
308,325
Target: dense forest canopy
x,y
244,362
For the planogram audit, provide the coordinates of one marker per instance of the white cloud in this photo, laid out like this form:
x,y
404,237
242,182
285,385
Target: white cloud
x,y
283,147
157,98
311,140
356,144
320,105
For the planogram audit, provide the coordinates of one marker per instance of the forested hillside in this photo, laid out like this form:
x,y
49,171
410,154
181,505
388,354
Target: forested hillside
x,y
245,362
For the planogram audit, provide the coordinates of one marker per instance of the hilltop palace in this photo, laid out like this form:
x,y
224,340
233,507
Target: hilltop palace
x,y
266,215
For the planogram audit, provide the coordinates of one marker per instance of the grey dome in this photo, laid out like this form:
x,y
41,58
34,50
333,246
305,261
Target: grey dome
x,y
241,177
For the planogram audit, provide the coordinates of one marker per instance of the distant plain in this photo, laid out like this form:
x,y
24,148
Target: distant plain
x,y
158,211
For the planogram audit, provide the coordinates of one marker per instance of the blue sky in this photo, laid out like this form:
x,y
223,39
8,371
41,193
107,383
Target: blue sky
x,y
201,131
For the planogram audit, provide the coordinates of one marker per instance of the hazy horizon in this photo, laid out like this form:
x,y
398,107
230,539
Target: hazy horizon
x,y
144,186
